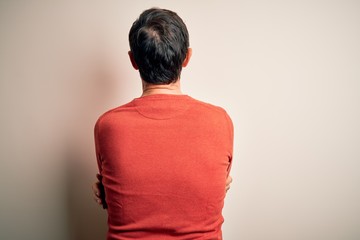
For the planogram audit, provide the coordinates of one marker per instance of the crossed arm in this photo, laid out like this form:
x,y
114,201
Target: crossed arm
x,y
99,194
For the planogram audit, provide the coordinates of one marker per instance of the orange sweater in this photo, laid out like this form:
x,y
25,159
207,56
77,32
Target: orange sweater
x,y
164,160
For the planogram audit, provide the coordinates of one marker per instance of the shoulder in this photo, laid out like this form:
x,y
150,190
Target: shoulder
x,y
109,115
208,107
215,112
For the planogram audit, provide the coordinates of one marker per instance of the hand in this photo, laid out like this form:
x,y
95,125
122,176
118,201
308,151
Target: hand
x,y
99,193
228,182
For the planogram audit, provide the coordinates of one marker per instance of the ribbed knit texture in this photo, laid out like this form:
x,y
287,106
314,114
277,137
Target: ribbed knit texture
x,y
164,160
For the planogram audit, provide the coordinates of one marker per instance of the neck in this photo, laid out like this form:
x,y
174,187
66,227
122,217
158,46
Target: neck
x,y
150,89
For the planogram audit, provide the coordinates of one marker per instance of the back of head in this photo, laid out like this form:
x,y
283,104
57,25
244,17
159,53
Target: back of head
x,y
159,41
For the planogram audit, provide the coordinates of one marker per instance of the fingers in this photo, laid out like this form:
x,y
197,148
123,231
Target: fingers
x,y
99,194
228,182
99,177
96,191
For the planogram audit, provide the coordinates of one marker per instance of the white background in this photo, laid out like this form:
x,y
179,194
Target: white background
x,y
287,72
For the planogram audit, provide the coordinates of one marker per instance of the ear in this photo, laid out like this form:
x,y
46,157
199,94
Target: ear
x,y
132,60
187,58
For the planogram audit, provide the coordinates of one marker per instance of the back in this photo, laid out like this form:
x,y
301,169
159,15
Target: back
x,y
164,161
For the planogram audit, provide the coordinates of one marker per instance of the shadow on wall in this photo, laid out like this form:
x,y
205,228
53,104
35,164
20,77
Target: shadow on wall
x,y
93,90
86,220
59,70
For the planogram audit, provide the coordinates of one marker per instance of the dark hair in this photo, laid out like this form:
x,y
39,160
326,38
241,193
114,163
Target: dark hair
x,y
159,41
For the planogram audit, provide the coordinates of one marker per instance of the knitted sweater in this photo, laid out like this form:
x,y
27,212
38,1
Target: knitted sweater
x,y
164,160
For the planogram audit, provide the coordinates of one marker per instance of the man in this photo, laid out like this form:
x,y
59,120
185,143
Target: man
x,y
164,158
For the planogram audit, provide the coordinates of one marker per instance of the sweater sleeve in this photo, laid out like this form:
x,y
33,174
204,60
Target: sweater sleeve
x,y
230,140
97,146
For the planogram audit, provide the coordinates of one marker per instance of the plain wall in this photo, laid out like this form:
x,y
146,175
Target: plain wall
x,y
287,72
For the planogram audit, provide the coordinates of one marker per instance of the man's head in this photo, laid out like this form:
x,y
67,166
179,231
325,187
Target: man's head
x,y
159,43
